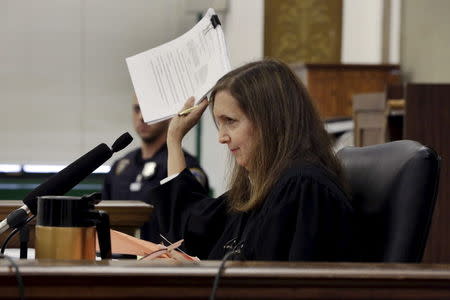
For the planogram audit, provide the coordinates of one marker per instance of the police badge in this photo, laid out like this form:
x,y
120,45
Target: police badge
x,y
121,165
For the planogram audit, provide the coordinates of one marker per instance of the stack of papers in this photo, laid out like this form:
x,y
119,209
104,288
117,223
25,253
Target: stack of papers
x,y
166,76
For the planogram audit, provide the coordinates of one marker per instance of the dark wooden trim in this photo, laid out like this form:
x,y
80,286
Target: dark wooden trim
x,y
427,120
240,280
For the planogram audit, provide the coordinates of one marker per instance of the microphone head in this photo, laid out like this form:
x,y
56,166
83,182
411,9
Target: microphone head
x,y
70,176
123,141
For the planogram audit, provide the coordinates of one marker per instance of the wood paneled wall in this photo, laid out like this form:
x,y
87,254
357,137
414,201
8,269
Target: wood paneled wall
x,y
303,30
332,85
427,120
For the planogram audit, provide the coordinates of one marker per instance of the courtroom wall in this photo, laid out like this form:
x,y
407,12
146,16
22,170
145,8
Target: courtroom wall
x,y
425,41
64,84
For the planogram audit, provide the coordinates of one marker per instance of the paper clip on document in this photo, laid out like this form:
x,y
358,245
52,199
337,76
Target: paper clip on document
x,y
214,23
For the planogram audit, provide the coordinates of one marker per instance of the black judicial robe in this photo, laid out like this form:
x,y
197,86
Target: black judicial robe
x,y
124,173
305,217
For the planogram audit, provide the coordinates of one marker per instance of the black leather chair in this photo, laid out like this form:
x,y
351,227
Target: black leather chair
x,y
393,188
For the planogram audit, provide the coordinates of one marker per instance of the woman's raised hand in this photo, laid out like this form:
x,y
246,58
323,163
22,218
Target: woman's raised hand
x,y
181,124
178,127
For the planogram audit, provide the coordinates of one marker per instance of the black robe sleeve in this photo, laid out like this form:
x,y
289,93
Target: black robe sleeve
x,y
184,211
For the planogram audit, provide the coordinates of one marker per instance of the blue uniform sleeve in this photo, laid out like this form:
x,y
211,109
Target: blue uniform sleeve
x,y
106,189
199,174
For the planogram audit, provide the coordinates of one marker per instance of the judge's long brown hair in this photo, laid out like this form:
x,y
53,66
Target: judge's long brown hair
x,y
289,128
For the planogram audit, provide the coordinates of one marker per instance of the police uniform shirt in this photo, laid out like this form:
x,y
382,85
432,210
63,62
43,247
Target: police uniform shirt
x,y
131,178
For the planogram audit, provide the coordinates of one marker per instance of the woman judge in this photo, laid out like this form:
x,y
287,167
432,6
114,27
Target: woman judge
x,y
286,199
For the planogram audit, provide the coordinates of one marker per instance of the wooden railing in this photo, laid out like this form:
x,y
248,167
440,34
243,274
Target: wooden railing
x,y
240,280
125,216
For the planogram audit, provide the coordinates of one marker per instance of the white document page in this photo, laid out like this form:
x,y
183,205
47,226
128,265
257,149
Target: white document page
x,y
166,76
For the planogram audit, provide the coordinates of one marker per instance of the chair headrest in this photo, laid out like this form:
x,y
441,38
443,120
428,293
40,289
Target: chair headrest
x,y
373,171
394,189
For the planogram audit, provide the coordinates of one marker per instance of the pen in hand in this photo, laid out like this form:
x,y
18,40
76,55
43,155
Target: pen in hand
x,y
187,111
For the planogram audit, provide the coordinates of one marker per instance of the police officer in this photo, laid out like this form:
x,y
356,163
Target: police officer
x,y
132,176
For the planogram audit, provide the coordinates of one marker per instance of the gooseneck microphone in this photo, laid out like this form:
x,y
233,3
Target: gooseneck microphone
x,y
64,180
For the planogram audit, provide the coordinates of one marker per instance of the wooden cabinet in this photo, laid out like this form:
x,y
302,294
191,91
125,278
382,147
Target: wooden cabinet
x,y
427,120
332,85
